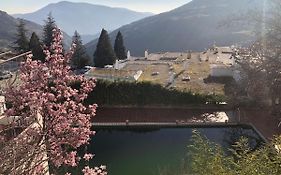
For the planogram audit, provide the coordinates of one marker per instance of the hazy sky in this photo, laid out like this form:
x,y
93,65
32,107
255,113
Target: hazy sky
x,y
155,6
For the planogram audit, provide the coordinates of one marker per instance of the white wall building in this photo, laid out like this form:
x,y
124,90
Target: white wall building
x,y
222,70
223,55
146,54
222,62
128,55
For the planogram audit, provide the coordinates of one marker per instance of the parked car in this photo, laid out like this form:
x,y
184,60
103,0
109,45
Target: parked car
x,y
187,78
154,73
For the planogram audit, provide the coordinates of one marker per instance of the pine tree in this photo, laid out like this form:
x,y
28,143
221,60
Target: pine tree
x,y
36,47
104,54
22,44
119,47
48,28
79,58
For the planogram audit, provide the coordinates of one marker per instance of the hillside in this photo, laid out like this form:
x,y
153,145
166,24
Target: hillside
x,y
194,26
8,28
87,19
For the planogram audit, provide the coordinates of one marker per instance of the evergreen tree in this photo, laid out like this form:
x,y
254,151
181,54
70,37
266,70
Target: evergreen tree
x,y
206,157
36,47
79,58
119,47
104,54
22,44
48,28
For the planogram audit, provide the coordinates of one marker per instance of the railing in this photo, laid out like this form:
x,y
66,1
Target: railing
x,y
5,53
12,64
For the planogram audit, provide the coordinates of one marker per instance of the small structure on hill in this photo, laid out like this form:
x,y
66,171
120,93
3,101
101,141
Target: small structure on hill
x,y
146,54
114,74
222,62
129,55
120,64
215,55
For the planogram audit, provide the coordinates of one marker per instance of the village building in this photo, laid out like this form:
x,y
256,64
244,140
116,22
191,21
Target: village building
x,y
222,62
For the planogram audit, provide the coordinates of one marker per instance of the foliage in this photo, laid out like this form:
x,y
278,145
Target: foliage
x,y
260,62
36,47
209,158
104,54
50,25
119,47
144,93
22,41
79,58
206,157
52,115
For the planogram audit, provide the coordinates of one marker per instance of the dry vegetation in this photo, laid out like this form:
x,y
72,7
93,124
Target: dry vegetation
x,y
198,71
183,67
161,78
111,72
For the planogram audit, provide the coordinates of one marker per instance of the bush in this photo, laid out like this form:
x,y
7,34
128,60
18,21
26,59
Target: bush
x,y
144,93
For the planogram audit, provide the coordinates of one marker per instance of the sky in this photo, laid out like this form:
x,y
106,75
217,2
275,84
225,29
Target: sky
x,y
154,6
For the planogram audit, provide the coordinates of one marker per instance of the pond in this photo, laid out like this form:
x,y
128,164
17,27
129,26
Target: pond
x,y
150,151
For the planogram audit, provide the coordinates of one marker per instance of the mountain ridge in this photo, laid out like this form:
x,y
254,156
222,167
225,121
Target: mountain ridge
x,y
86,18
8,30
193,26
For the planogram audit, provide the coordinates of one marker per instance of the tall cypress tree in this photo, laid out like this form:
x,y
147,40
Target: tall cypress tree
x,y
119,47
36,47
50,25
79,58
22,44
104,54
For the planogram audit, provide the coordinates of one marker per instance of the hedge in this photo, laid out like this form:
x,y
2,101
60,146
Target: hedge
x,y
145,93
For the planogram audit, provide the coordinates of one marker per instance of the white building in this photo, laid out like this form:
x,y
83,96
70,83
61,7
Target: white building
x,y
222,62
223,55
223,70
146,54
128,55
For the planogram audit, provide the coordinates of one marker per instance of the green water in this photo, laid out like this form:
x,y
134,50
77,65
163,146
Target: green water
x,y
150,152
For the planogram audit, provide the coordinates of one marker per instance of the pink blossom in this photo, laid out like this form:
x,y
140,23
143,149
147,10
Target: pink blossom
x,y
46,89
87,157
94,171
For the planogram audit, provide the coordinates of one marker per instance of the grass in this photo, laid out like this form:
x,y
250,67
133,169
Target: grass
x,y
182,67
112,74
161,78
198,71
178,67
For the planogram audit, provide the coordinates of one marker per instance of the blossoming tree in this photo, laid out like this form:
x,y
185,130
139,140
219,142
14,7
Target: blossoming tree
x,y
53,120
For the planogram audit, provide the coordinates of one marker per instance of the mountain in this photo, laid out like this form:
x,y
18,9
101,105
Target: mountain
x,y
88,38
87,19
8,30
194,26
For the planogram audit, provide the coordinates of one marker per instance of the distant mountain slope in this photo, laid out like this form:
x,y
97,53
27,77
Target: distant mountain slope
x,y
194,26
8,30
88,19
